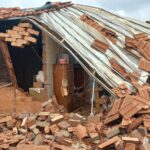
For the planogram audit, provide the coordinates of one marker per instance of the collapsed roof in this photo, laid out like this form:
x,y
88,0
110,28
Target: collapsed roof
x,y
116,48
110,44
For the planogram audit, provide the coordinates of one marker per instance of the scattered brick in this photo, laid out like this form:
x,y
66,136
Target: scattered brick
x,y
64,125
131,146
81,132
4,35
24,33
31,147
115,108
135,123
111,119
56,118
101,46
5,119
144,64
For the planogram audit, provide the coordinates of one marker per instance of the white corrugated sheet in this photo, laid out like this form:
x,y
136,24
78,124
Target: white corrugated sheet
x,y
80,36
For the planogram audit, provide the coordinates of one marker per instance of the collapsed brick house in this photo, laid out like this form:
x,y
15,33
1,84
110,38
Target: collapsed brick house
x,y
87,55
109,48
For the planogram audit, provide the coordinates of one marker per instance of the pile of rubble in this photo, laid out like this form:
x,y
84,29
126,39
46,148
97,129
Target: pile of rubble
x,y
20,35
124,126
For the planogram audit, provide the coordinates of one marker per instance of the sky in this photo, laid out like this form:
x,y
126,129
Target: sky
x,y
138,9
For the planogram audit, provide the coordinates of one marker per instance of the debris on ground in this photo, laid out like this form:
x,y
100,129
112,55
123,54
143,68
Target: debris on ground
x,y
125,125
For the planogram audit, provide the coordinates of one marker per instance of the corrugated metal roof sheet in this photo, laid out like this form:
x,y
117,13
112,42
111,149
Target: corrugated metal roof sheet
x,y
100,39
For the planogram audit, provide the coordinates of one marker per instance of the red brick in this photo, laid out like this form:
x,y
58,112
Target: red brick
x,y
91,129
25,25
130,139
109,32
146,123
130,42
25,33
13,34
99,45
143,91
111,119
115,65
130,108
135,123
16,28
140,35
4,35
80,131
10,39
5,119
115,108
111,132
30,39
31,31
54,128
31,147
144,64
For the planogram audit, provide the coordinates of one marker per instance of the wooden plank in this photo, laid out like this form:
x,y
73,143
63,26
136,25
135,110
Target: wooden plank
x,y
146,123
67,69
5,119
7,58
109,142
137,122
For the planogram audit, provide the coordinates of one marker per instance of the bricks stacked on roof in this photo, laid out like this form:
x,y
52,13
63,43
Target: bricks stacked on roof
x,y
111,35
101,46
141,42
7,13
20,35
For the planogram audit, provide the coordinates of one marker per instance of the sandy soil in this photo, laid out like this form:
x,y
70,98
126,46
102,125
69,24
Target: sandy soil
x,y
24,103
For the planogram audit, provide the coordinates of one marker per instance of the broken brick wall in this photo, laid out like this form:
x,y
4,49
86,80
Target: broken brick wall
x,y
26,61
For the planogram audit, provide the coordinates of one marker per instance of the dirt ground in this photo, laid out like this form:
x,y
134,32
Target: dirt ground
x,y
24,102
